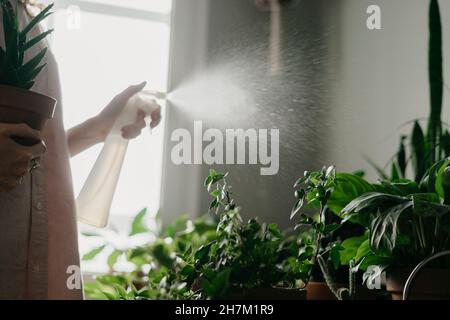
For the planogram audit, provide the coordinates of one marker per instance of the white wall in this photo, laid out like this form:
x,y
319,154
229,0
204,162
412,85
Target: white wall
x,y
344,92
382,79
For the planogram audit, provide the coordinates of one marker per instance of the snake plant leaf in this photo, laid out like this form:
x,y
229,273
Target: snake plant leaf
x,y
445,143
394,172
37,39
2,56
418,151
401,158
40,17
435,74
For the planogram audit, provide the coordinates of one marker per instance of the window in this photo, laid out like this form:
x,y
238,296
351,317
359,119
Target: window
x,y
102,46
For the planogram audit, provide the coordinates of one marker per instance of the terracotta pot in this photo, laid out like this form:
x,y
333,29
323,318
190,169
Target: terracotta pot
x,y
24,106
321,291
267,294
430,284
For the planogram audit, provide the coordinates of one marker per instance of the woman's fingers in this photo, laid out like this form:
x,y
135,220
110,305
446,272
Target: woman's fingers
x,y
126,94
21,130
156,117
133,130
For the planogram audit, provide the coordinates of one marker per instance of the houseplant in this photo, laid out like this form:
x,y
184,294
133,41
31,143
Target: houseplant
x,y
405,220
214,257
19,104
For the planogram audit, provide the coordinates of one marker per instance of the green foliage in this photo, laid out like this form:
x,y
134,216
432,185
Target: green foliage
x,y
14,71
208,257
405,219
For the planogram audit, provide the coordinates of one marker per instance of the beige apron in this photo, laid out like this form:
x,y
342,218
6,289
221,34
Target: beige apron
x,y
38,230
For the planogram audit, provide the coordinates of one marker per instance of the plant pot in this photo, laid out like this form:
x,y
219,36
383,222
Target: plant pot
x,y
430,284
321,291
267,294
24,106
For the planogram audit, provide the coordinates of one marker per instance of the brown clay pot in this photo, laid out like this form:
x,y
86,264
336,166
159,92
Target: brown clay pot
x,y
430,284
267,294
321,291
24,106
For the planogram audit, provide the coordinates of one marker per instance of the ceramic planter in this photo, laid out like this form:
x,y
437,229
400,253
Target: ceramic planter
x,y
24,106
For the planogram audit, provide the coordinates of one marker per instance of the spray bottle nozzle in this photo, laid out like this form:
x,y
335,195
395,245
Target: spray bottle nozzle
x,y
156,94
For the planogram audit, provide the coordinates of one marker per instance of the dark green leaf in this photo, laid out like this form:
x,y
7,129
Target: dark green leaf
x,y
138,225
93,253
112,258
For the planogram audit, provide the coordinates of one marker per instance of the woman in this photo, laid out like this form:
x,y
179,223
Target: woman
x,y
38,232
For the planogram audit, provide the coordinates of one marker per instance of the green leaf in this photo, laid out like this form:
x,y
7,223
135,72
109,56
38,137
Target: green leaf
x,y
435,74
429,209
90,234
37,19
363,251
93,253
218,286
37,39
418,151
361,209
384,228
215,193
187,270
274,230
297,207
34,73
331,227
445,143
351,246
123,294
348,187
401,158
335,255
112,258
394,172
138,226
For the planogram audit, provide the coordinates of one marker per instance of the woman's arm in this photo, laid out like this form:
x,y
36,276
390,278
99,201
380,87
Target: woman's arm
x,y
96,129
84,136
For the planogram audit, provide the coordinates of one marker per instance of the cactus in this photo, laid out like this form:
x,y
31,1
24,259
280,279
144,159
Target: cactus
x,y
14,71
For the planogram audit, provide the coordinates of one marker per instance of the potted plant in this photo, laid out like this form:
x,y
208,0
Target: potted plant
x,y
18,103
405,219
214,257
324,193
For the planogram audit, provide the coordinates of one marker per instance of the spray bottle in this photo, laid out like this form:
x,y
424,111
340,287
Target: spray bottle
x,y
95,199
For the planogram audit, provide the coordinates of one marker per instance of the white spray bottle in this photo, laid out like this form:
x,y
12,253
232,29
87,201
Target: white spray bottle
x,y
95,199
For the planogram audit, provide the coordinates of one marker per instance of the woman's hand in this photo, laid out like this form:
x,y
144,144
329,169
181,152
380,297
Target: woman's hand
x,y
15,159
111,112
96,129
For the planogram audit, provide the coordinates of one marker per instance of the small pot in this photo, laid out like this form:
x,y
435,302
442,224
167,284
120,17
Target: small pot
x,y
267,294
321,291
430,284
24,106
